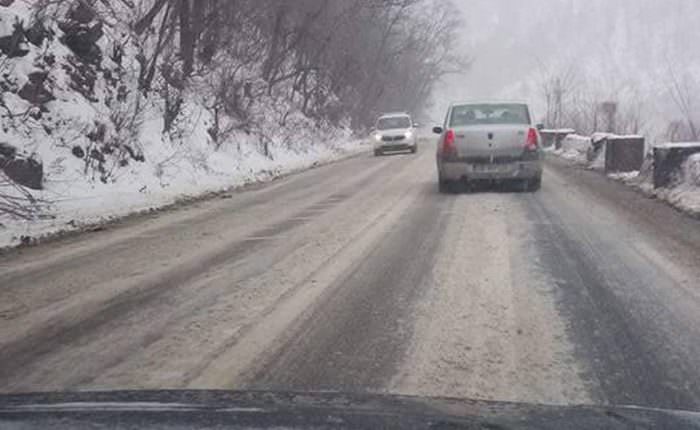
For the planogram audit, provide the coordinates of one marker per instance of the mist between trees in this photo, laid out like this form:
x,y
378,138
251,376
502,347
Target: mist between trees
x,y
638,54
570,100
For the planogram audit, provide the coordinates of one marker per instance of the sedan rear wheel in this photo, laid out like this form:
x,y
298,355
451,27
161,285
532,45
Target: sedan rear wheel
x,y
535,184
531,185
445,186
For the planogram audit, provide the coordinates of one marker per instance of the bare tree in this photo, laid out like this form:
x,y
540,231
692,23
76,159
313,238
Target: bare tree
x,y
557,86
330,59
683,90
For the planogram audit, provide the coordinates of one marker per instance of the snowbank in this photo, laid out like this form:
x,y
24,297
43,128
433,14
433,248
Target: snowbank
x,y
590,152
624,176
691,170
174,174
574,148
684,195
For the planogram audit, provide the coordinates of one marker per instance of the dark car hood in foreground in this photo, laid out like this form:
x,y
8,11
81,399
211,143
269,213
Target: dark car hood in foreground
x,y
221,409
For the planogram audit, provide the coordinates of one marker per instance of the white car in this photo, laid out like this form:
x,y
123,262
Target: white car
x,y
395,132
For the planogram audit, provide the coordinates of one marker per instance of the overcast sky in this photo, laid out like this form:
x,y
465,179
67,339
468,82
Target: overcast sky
x,y
612,43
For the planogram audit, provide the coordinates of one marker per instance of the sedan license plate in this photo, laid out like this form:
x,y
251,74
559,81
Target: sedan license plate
x,y
489,168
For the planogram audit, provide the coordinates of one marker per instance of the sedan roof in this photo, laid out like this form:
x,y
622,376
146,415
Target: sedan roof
x,y
488,102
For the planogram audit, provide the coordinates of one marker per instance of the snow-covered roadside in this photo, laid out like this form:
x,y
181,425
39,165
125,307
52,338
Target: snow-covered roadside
x,y
684,196
575,149
73,206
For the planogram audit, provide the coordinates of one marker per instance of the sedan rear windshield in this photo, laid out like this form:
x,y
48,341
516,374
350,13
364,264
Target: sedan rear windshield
x,y
393,122
489,114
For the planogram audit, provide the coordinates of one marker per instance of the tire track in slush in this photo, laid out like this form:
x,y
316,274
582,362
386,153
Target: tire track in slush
x,y
36,344
357,336
487,327
626,360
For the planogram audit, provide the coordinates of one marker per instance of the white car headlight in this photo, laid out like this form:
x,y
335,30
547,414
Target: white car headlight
x,y
408,134
378,137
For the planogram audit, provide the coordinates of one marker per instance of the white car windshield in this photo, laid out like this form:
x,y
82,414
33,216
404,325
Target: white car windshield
x,y
390,123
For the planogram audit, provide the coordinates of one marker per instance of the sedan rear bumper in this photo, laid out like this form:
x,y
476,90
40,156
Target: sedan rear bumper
x,y
458,170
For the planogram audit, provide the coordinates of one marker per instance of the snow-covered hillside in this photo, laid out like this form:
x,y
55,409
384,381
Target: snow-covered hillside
x,y
70,102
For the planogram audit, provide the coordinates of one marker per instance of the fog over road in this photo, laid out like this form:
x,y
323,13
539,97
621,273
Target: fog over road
x,y
359,276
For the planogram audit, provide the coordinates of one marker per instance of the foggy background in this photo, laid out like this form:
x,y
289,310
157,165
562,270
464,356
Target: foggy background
x,y
641,54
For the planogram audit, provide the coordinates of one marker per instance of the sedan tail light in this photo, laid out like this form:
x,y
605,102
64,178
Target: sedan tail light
x,y
532,142
449,149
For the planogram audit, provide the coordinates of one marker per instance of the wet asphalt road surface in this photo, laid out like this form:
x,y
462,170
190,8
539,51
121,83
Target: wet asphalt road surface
x,y
359,276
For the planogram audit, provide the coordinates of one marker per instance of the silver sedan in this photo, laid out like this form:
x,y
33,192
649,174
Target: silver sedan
x,y
489,141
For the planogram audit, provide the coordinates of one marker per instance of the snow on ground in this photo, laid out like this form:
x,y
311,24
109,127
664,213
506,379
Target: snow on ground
x,y
692,170
624,176
685,195
574,148
167,175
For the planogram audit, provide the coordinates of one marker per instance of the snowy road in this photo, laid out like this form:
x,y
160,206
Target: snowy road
x,y
359,276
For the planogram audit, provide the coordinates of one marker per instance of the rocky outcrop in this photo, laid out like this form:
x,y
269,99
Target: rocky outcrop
x,y
81,39
34,91
15,44
24,170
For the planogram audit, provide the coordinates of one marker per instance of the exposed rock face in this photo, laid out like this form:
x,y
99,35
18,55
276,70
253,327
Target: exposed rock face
x,y
81,39
34,91
23,170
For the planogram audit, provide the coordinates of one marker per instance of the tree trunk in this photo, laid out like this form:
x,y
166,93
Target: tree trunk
x,y
187,38
274,43
143,23
145,84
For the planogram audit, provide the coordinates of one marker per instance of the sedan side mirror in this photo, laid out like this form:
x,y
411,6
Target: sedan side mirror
x,y
437,130
540,127
416,125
